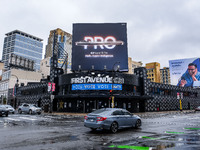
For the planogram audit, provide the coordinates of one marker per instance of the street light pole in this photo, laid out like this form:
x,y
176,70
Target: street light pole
x,y
112,97
15,88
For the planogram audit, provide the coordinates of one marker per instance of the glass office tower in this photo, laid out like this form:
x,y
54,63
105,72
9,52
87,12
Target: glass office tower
x,y
22,44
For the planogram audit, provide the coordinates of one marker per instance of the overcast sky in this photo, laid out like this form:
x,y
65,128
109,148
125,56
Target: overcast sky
x,y
157,30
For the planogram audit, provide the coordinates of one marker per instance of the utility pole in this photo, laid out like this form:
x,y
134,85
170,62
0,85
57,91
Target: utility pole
x,y
54,65
15,91
111,91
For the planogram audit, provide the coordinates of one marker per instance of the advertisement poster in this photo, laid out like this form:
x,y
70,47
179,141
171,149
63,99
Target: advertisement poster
x,y
99,46
185,72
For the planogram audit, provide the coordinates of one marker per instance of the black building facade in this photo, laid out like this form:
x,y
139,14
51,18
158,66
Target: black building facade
x,y
86,91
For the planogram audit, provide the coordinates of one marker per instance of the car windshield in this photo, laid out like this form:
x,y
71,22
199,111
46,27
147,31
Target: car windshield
x,y
34,105
8,106
2,106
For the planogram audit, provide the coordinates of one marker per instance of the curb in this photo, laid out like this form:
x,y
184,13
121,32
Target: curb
x,y
144,114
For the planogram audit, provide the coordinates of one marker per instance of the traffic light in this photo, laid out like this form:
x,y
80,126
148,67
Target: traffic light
x,y
111,92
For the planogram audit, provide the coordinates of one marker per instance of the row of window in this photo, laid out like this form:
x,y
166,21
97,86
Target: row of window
x,y
23,45
6,76
4,86
28,52
150,75
27,46
29,40
150,70
23,39
8,50
158,91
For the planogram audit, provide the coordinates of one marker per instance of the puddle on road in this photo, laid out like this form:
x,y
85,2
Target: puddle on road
x,y
146,146
157,142
72,138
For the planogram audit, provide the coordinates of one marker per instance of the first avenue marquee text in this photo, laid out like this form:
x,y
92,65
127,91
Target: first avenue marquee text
x,y
88,79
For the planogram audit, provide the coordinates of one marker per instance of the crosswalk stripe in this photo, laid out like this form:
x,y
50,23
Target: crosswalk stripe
x,y
12,119
26,118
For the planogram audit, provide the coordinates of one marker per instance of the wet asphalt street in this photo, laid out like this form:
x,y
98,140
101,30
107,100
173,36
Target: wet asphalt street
x,y
159,131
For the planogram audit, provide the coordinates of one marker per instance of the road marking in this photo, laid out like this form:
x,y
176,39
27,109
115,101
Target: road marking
x,y
26,118
193,118
12,119
131,147
70,121
174,132
192,128
146,137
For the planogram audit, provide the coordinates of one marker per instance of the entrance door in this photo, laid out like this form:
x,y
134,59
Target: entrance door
x,y
89,106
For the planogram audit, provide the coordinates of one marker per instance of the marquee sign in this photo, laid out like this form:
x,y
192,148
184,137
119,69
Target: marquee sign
x,y
96,87
106,79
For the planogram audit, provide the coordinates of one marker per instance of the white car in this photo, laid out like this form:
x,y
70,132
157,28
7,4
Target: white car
x,y
10,108
29,108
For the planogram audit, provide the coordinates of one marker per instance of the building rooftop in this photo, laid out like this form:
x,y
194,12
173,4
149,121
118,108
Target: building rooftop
x,y
24,34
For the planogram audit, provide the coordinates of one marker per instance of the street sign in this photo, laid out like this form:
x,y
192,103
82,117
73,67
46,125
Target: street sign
x,y
52,97
178,96
53,87
181,95
49,87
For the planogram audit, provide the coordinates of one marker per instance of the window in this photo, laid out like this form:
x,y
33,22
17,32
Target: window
x,y
126,113
117,112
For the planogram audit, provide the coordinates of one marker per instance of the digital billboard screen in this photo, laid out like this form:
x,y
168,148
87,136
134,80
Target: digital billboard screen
x,y
185,72
99,46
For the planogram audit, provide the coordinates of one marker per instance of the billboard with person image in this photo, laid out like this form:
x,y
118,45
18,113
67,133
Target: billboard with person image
x,y
185,72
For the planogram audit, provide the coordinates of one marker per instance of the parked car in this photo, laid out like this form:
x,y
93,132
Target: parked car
x,y
197,109
111,119
29,108
3,111
10,108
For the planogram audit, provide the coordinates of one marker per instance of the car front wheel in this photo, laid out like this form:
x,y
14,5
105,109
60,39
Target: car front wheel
x,y
30,112
19,111
93,129
138,123
114,127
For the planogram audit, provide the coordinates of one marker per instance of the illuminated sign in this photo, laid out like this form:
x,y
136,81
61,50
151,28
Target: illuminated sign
x,y
88,79
99,46
109,42
96,87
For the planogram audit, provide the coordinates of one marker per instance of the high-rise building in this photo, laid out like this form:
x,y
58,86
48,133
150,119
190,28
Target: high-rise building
x,y
22,44
64,40
153,71
165,75
45,67
132,65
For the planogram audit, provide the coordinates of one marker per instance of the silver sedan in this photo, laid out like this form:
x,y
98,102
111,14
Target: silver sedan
x,y
111,119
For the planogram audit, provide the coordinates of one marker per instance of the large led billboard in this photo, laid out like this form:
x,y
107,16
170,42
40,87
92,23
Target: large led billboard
x,y
185,72
99,46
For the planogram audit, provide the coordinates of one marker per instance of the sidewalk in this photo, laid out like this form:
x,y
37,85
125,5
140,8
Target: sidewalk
x,y
141,114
